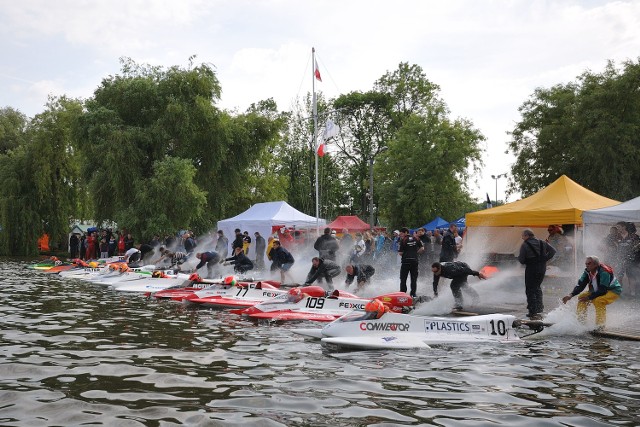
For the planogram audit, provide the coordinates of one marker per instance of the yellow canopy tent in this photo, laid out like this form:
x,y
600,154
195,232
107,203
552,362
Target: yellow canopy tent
x,y
498,229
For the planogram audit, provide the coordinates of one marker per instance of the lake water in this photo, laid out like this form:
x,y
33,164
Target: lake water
x,y
72,354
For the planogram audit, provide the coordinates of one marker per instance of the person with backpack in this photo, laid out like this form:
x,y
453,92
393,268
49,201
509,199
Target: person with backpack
x,y
458,272
534,254
603,289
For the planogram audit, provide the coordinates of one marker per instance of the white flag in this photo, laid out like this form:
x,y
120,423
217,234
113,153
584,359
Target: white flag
x,y
330,130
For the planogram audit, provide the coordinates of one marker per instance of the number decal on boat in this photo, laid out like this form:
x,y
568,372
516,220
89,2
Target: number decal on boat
x,y
500,326
313,302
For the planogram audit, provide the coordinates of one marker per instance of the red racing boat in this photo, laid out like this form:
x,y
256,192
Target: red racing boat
x,y
314,303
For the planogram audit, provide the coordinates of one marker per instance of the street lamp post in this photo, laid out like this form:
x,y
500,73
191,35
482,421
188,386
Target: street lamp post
x,y
497,177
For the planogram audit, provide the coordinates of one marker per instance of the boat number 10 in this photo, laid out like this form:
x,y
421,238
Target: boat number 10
x,y
498,328
315,302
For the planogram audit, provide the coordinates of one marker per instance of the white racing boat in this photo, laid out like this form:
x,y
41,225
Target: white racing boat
x,y
388,330
152,283
84,272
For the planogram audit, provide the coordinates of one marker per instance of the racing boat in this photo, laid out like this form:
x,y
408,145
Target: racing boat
x,y
314,303
376,328
157,281
237,295
48,264
196,283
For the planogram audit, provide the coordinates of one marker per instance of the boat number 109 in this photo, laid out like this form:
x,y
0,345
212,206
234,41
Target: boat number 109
x,y
498,328
314,302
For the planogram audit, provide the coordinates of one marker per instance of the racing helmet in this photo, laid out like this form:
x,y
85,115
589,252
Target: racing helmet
x,y
156,274
124,267
195,277
375,306
114,267
93,264
295,295
229,281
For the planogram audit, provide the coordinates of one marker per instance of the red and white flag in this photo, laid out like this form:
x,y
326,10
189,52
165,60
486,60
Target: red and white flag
x,y
316,72
321,148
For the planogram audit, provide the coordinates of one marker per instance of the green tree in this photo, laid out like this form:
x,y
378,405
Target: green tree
x,y
164,202
365,122
13,125
147,113
411,93
431,180
40,181
588,130
296,162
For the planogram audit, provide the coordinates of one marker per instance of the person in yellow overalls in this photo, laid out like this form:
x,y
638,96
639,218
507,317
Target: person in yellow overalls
x,y
603,289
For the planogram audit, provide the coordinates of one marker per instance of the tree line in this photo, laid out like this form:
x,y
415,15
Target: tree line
x,y
152,152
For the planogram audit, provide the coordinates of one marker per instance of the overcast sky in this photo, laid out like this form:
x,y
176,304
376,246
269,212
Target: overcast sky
x,y
486,56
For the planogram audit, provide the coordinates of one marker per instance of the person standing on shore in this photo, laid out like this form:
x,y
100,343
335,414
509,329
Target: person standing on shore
x,y
260,250
409,249
534,254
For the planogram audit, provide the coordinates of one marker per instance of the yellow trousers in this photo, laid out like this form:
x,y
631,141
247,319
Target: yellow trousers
x,y
600,303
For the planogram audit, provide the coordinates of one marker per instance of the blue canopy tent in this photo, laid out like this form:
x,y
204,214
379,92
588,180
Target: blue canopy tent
x,y
461,222
436,223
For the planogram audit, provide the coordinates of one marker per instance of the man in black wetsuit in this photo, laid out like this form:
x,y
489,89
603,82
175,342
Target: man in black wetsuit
x,y
534,254
408,250
458,272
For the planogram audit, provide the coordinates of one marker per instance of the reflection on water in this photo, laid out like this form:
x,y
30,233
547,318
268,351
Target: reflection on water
x,y
75,354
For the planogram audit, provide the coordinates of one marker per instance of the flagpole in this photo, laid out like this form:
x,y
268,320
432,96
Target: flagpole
x,y
315,133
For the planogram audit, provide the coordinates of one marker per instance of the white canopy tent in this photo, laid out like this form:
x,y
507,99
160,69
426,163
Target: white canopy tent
x,y
598,221
262,217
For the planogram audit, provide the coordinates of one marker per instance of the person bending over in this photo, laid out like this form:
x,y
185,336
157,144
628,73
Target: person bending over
x,y
458,272
603,289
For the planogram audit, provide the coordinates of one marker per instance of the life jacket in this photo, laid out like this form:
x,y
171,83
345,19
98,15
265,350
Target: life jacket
x,y
607,268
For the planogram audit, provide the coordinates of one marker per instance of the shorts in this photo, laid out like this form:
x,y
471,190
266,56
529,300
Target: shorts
x,y
286,266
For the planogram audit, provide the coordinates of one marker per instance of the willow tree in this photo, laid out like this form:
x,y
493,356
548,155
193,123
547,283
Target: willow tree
x,y
588,130
41,185
147,113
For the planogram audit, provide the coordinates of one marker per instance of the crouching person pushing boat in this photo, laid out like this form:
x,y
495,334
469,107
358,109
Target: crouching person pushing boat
x,y
603,289
458,272
211,259
361,272
322,269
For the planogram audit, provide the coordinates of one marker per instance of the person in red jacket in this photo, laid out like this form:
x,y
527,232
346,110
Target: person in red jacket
x,y
91,246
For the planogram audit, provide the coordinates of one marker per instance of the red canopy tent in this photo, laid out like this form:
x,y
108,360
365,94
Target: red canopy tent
x,y
350,222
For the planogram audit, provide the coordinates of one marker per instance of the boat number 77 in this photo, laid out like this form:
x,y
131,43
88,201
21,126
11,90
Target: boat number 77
x,y
313,302
500,326
242,291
